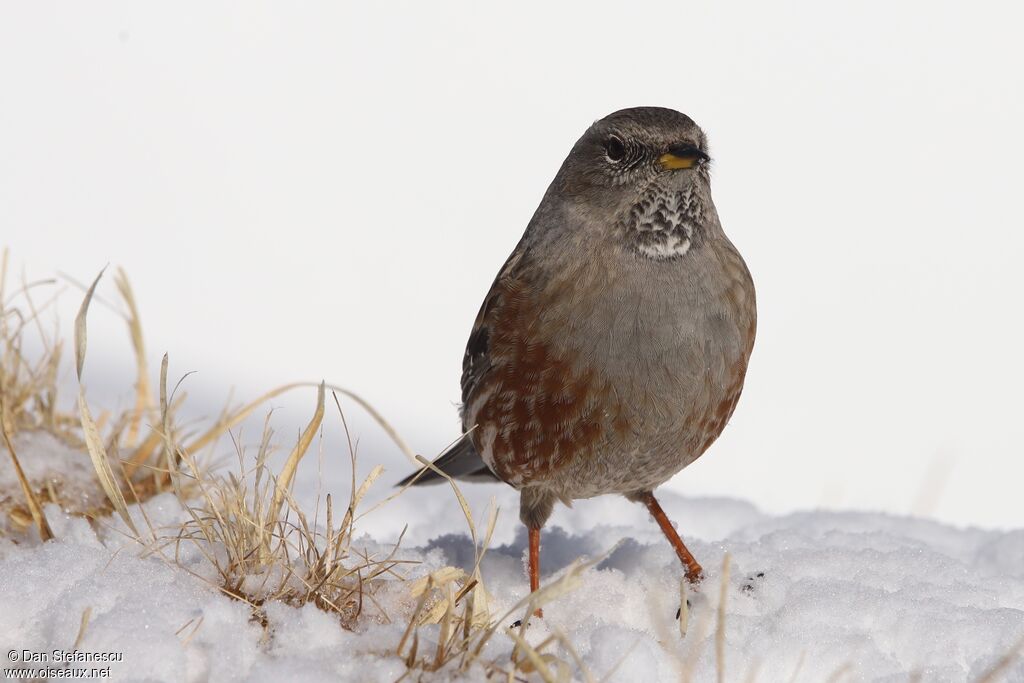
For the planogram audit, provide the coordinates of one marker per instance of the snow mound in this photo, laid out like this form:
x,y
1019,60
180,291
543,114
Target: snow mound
x,y
809,596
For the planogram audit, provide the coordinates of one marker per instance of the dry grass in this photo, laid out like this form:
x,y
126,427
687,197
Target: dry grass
x,y
27,395
260,545
263,547
29,403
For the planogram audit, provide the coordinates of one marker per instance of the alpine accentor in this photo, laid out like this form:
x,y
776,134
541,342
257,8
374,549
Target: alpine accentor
x,y
611,349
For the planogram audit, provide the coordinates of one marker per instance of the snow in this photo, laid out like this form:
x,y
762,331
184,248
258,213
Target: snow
x,y
51,463
844,595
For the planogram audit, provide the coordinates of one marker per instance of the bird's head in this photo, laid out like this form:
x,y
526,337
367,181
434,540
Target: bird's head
x,y
642,173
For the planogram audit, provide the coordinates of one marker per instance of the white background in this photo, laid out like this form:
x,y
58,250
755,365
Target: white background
x,y
326,190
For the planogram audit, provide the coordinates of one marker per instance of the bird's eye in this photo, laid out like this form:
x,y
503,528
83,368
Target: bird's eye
x,y
614,148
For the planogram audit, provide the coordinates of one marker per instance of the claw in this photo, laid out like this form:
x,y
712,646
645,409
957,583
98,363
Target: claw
x,y
748,587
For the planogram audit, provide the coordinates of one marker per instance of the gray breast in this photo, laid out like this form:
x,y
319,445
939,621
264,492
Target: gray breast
x,y
667,336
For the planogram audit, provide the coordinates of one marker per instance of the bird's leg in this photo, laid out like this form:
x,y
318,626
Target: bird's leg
x,y
535,506
694,573
534,559
534,534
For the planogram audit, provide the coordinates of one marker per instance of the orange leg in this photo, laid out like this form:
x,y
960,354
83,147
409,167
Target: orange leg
x,y
694,573
534,559
535,563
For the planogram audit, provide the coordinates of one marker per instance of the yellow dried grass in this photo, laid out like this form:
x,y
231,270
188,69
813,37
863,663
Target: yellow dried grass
x,y
93,441
12,354
28,387
284,479
35,508
143,397
723,595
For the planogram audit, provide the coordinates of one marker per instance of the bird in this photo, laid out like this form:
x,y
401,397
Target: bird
x,y
611,349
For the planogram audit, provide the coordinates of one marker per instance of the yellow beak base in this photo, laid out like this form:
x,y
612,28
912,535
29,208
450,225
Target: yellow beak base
x,y
671,162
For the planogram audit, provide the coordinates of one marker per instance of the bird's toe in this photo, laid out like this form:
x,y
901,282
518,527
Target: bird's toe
x,y
679,610
751,583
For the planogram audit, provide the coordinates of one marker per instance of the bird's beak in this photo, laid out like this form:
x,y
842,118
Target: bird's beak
x,y
681,156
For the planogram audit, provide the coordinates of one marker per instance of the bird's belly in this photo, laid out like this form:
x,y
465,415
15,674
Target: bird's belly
x,y
617,393
640,411
671,409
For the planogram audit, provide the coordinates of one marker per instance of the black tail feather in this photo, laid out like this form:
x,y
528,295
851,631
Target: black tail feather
x,y
461,461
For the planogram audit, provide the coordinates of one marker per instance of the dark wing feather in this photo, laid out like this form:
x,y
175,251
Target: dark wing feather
x,y
477,361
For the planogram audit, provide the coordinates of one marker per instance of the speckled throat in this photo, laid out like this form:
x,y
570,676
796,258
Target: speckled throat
x,y
663,224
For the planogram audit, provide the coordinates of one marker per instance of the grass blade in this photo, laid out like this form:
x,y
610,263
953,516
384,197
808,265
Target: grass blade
x,y
30,496
93,441
288,471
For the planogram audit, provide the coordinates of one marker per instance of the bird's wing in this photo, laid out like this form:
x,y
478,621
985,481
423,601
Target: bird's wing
x,y
476,362
462,461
